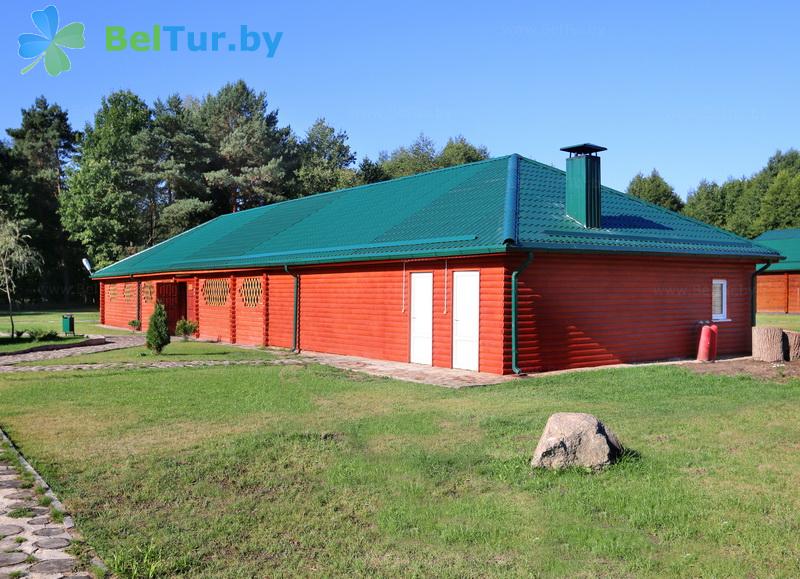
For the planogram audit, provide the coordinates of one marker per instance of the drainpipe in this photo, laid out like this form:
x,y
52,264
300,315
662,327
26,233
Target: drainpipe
x,y
753,292
514,294
296,319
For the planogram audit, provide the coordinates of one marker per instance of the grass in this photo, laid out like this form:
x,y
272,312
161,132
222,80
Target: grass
x,y
22,513
177,351
785,321
9,345
261,471
87,321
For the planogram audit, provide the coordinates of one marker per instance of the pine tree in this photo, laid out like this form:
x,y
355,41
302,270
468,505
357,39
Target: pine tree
x,y
157,331
655,189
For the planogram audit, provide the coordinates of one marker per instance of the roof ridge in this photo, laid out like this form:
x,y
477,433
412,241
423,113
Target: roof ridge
x,y
770,233
364,185
679,214
152,247
648,203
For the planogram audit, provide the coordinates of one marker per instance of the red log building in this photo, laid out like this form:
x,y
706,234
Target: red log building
x,y
502,266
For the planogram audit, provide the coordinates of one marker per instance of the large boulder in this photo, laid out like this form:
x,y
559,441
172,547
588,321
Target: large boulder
x,y
576,439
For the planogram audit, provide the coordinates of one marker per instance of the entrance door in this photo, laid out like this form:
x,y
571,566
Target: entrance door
x,y
173,298
422,318
466,322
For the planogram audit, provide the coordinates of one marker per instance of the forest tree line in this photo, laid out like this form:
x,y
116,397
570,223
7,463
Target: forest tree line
x,y
140,173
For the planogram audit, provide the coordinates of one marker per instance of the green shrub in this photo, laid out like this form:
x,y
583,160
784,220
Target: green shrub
x,y
134,325
186,328
157,331
41,334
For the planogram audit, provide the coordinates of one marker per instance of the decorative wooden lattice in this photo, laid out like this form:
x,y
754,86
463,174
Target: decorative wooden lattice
x,y
148,292
112,292
215,292
250,292
127,292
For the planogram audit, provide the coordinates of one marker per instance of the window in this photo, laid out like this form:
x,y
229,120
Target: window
x,y
215,292
719,299
147,292
250,292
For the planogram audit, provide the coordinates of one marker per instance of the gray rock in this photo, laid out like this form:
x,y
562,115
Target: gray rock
x,y
54,543
39,521
21,495
6,530
576,439
53,566
8,559
10,484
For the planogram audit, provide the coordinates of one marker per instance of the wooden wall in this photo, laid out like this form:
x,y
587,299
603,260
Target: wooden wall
x,y
574,310
364,310
120,301
590,310
215,312
778,293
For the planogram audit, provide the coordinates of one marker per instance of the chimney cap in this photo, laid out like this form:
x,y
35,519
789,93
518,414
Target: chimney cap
x,y
583,149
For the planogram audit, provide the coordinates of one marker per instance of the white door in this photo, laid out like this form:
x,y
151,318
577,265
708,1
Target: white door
x,y
466,323
422,318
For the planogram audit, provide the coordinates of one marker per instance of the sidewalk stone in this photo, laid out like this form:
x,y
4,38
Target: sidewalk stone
x,y
55,543
54,566
41,554
8,559
6,530
49,532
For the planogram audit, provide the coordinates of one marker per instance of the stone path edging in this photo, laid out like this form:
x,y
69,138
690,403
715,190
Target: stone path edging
x,y
89,341
146,365
110,343
41,555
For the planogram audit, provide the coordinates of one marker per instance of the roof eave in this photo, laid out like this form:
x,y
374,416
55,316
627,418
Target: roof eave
x,y
557,248
460,252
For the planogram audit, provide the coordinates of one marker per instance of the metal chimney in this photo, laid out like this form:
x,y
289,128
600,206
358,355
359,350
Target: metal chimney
x,y
583,184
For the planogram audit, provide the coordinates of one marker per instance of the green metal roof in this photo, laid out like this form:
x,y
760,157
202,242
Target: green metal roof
x,y
485,207
787,243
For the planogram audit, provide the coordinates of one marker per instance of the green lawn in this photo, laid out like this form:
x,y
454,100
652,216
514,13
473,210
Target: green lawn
x,y
8,345
260,471
86,321
177,351
785,321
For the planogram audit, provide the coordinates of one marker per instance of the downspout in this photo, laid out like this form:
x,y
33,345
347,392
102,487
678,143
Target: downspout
x,y
753,292
295,319
514,325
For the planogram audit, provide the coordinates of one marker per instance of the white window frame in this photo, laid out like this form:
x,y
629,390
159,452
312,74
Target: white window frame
x,y
723,316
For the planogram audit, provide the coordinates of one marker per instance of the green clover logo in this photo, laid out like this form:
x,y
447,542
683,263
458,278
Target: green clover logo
x,y
50,44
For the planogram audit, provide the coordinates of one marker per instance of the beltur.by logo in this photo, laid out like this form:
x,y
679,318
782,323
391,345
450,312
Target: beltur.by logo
x,y
176,38
50,44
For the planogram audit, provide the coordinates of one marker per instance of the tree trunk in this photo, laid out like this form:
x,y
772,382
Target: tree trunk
x,y
792,345
11,314
7,288
768,344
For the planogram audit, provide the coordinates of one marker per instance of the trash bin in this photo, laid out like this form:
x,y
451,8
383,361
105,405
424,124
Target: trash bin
x,y
68,324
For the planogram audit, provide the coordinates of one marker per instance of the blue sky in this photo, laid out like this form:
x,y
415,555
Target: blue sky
x,y
695,89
